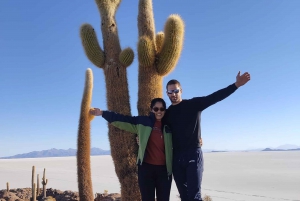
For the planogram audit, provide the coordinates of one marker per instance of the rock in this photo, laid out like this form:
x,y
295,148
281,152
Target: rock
x,y
108,197
49,198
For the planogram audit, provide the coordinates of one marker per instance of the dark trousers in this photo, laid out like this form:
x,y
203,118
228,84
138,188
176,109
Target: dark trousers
x,y
151,178
187,173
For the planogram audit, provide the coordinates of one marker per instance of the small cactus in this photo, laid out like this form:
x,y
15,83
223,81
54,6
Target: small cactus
x,y
34,192
7,186
44,182
38,185
32,183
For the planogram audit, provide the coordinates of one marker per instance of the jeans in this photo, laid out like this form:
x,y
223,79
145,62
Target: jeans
x,y
151,178
187,172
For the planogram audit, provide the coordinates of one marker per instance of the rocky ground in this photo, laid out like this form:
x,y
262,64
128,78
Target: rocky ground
x,y
24,194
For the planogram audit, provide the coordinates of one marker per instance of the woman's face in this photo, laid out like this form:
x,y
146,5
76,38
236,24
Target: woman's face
x,y
159,110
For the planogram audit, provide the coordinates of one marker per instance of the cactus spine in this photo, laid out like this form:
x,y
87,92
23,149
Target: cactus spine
x,y
84,142
158,53
114,61
44,182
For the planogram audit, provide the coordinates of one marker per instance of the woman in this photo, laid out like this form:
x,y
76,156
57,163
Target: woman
x,y
155,148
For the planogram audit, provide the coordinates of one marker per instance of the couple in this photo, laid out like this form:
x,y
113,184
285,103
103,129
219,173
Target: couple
x,y
162,152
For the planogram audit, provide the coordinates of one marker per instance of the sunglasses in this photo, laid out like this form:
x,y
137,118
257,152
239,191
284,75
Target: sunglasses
x,y
156,109
176,91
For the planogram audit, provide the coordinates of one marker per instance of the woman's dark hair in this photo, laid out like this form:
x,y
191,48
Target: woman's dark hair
x,y
155,100
159,100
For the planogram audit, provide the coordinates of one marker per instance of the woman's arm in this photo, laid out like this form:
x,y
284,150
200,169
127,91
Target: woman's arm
x,y
120,121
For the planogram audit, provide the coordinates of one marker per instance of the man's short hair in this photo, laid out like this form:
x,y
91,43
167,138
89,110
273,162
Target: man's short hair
x,y
173,82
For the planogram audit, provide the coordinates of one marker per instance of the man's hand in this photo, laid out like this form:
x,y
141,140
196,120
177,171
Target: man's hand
x,y
242,79
96,111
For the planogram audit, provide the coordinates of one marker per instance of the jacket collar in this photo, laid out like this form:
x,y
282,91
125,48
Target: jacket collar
x,y
152,115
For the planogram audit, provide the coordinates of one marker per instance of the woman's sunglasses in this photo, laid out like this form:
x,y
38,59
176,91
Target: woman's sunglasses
x,y
156,109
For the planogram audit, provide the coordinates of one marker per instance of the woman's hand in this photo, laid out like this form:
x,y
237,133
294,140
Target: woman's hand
x,y
96,112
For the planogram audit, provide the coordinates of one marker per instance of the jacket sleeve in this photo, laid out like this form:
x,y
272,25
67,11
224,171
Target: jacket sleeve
x,y
201,103
123,122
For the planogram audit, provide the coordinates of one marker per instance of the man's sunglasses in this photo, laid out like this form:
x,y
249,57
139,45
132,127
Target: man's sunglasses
x,y
176,91
161,109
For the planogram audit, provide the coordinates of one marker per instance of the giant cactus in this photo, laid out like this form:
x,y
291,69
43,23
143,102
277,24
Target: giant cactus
x,y
113,61
84,142
157,53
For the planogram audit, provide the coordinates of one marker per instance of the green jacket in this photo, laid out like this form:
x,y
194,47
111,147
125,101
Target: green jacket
x,y
142,126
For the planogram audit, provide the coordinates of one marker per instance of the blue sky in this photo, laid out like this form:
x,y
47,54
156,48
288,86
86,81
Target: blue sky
x,y
42,69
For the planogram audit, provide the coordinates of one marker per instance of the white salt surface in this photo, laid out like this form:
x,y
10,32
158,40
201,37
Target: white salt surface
x,y
237,176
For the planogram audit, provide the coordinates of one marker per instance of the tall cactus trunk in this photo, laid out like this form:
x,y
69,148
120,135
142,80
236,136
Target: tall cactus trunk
x,y
122,144
84,142
157,55
146,94
114,62
150,83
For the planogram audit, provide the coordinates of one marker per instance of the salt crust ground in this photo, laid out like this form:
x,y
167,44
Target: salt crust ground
x,y
238,176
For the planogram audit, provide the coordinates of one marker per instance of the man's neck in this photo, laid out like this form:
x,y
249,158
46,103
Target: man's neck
x,y
176,102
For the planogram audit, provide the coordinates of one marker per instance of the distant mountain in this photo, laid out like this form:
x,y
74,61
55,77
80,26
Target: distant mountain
x,y
269,149
288,146
258,149
57,153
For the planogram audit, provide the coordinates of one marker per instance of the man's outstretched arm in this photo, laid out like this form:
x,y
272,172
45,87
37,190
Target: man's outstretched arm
x,y
242,79
204,102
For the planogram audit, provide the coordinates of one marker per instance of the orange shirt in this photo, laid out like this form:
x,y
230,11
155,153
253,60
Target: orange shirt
x,y
155,150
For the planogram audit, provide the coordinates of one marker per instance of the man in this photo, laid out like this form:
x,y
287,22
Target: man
x,y
183,116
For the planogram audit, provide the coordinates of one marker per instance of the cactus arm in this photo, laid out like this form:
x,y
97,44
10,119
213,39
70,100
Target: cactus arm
x,y
146,51
91,46
126,57
159,39
172,46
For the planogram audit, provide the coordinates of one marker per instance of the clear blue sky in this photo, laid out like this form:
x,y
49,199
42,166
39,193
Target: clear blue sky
x,y
42,69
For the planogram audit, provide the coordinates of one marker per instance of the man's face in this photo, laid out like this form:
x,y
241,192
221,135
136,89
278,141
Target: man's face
x,y
174,93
